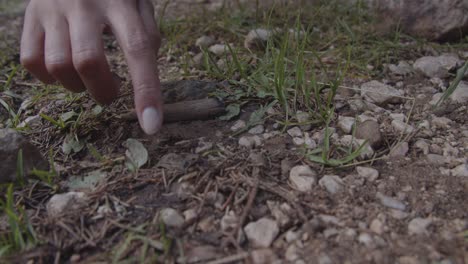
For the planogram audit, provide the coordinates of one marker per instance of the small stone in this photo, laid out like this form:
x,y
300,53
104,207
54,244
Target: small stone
x,y
397,214
238,125
250,141
379,93
65,202
263,256
390,202
437,160
229,221
332,183
218,49
295,132
422,145
280,212
291,236
262,232
303,117
377,226
309,142
460,95
302,178
418,226
292,253
403,68
366,239
460,171
438,67
398,116
369,174
190,214
367,151
257,38
11,142
369,130
256,130
204,42
399,150
298,141
402,127
198,60
171,217
441,122
346,123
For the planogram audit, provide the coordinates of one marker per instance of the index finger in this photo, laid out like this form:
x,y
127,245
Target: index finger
x,y
139,47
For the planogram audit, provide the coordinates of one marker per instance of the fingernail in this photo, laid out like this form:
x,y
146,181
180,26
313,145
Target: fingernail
x,y
151,120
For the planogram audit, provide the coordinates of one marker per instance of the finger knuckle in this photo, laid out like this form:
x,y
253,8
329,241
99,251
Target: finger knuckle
x,y
143,88
86,60
139,44
58,64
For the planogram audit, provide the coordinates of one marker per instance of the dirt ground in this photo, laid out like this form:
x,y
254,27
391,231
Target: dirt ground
x,y
219,187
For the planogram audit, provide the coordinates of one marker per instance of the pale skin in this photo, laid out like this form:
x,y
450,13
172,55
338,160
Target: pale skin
x,y
62,42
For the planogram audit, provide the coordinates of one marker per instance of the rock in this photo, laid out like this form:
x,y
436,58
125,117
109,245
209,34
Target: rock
x,y
377,226
302,178
190,214
197,60
422,145
204,42
460,95
402,127
250,141
65,202
379,93
418,226
435,20
229,221
366,240
262,232
460,171
436,67
291,236
292,253
346,123
281,212
398,116
390,202
309,142
332,183
264,256
369,130
171,217
256,130
257,38
11,142
369,174
218,49
403,68
399,150
298,141
441,122
303,117
295,132
437,160
238,125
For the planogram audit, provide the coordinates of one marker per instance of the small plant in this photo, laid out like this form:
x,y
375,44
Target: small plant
x,y
21,235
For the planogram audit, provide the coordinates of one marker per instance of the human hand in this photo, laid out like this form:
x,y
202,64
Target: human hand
x,y
62,41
